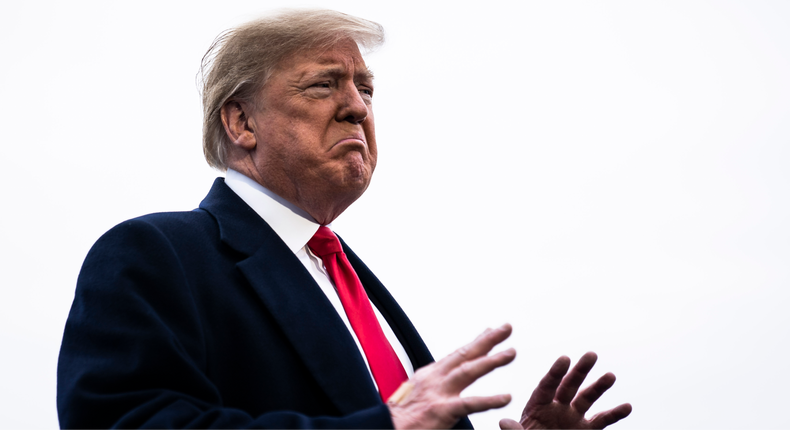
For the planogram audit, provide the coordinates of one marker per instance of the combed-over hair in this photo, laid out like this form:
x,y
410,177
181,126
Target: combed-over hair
x,y
240,60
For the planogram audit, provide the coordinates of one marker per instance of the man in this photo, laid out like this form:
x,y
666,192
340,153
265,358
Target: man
x,y
246,312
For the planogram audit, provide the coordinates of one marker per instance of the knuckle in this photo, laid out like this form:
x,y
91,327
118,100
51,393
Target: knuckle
x,y
463,351
465,406
466,369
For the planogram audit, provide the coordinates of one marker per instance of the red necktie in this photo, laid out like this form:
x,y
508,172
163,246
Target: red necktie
x,y
384,363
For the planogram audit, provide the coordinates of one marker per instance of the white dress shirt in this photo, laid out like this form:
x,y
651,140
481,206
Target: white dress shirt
x,y
296,227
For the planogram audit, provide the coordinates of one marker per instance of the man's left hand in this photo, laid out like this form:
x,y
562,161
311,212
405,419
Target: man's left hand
x,y
555,405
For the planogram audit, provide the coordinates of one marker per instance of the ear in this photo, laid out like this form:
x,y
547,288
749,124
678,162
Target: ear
x,y
236,120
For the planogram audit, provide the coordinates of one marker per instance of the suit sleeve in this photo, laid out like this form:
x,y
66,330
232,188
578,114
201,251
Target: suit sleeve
x,y
133,352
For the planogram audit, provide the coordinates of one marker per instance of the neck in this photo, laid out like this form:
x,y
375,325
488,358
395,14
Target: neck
x,y
322,204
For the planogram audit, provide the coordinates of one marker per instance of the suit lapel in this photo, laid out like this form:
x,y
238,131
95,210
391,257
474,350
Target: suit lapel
x,y
295,301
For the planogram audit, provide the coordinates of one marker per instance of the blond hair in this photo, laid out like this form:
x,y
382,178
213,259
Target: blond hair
x,y
240,60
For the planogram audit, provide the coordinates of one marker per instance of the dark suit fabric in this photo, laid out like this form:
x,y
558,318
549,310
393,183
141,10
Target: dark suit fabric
x,y
205,319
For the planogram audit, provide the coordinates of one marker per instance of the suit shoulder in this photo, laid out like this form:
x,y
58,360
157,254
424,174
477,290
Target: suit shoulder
x,y
168,224
164,230
198,219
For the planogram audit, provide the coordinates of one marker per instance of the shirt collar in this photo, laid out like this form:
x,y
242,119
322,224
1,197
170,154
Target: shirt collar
x,y
294,226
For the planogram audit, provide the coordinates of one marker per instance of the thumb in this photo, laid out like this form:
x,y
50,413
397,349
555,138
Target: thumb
x,y
507,423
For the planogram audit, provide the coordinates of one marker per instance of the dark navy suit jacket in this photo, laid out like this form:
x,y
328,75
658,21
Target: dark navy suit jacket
x,y
206,319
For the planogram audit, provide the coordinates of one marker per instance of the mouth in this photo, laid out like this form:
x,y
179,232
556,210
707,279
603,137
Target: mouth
x,y
351,141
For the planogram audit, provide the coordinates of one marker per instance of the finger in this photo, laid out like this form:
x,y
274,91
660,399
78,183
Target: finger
x,y
547,387
477,348
507,423
611,416
470,405
469,371
591,394
571,383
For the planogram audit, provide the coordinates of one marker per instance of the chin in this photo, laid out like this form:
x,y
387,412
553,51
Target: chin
x,y
357,172
356,184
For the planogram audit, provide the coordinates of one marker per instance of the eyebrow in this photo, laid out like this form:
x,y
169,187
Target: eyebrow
x,y
362,75
366,74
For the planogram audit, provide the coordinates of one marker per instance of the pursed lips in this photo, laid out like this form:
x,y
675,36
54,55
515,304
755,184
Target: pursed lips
x,y
351,140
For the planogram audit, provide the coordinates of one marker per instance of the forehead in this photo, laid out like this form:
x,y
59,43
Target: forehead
x,y
342,58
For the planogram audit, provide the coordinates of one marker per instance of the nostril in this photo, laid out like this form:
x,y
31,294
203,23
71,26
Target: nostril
x,y
354,119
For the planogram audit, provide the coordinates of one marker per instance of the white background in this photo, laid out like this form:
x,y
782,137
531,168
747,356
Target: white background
x,y
607,176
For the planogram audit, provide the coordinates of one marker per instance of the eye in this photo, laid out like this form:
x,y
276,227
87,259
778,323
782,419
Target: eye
x,y
366,93
321,85
319,89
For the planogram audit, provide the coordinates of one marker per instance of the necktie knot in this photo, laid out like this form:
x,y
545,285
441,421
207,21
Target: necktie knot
x,y
324,242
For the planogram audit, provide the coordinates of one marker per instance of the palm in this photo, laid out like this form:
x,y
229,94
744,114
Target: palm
x,y
554,404
554,416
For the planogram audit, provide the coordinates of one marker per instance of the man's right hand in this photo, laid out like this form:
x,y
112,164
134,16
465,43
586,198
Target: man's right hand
x,y
434,400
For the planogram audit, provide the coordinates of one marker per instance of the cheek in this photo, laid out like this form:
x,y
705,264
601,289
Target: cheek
x,y
370,135
281,150
373,157
373,160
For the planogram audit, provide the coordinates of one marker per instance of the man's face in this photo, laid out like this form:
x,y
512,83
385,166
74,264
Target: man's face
x,y
314,126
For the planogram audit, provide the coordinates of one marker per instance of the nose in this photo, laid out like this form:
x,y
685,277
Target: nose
x,y
352,107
